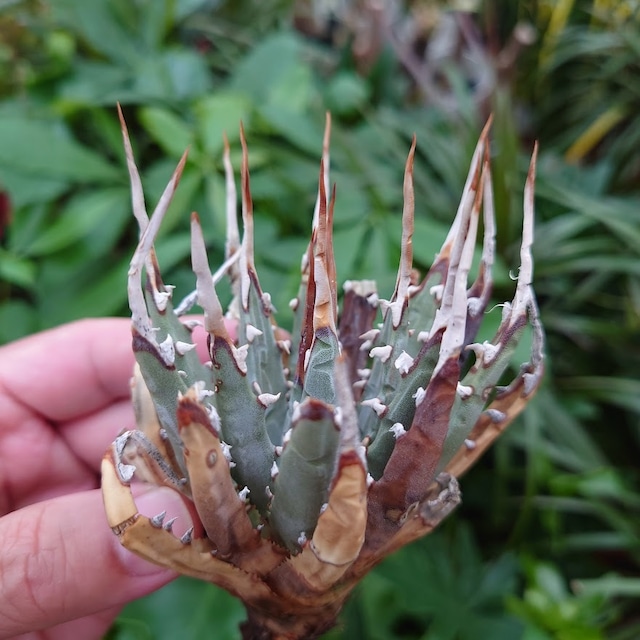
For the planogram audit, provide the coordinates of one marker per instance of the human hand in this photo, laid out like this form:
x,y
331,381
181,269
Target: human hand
x,y
64,396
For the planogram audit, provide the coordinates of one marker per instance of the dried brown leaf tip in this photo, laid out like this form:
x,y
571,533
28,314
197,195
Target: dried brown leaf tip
x,y
306,458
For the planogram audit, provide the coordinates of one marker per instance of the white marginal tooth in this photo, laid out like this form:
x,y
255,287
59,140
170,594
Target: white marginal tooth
x,y
474,305
363,373
295,416
226,452
372,334
243,494
413,288
157,520
256,388
398,430
168,525
337,416
366,345
287,435
284,345
495,415
477,349
293,304
490,351
464,391
370,480
268,493
125,472
213,416
167,350
373,299
183,374
267,399
161,298
307,356
240,355
423,336
531,381
419,395
302,538
470,444
360,384
375,404
183,347
278,451
266,301
192,324
484,352
163,434
201,390
187,536
252,332
384,304
384,353
274,469
436,291
403,362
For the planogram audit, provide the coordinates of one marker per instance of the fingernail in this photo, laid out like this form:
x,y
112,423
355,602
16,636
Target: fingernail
x,y
150,503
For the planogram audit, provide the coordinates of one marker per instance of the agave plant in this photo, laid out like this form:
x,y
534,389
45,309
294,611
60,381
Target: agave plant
x,y
306,458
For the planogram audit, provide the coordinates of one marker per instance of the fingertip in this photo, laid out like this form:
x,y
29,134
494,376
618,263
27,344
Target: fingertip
x,y
60,561
152,502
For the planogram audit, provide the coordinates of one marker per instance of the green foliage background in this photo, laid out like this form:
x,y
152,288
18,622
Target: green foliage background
x,y
546,544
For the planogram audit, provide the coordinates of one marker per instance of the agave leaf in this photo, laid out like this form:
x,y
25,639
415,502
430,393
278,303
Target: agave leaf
x,y
462,447
356,470
359,310
398,415
221,511
242,414
264,355
305,470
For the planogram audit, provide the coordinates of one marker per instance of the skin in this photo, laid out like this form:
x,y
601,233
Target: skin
x,y
64,396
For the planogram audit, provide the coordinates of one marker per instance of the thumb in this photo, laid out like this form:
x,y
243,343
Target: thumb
x,y
59,561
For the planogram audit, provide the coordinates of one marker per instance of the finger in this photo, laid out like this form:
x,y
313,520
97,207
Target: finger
x,y
71,370
89,436
74,369
35,463
59,561
90,628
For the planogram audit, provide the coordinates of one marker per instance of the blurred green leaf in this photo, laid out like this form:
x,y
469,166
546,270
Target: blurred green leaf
x,y
172,134
84,213
17,270
264,68
187,609
38,148
346,94
99,26
218,114
611,585
17,318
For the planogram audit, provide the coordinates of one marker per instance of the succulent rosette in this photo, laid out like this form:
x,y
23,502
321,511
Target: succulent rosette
x,y
307,457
